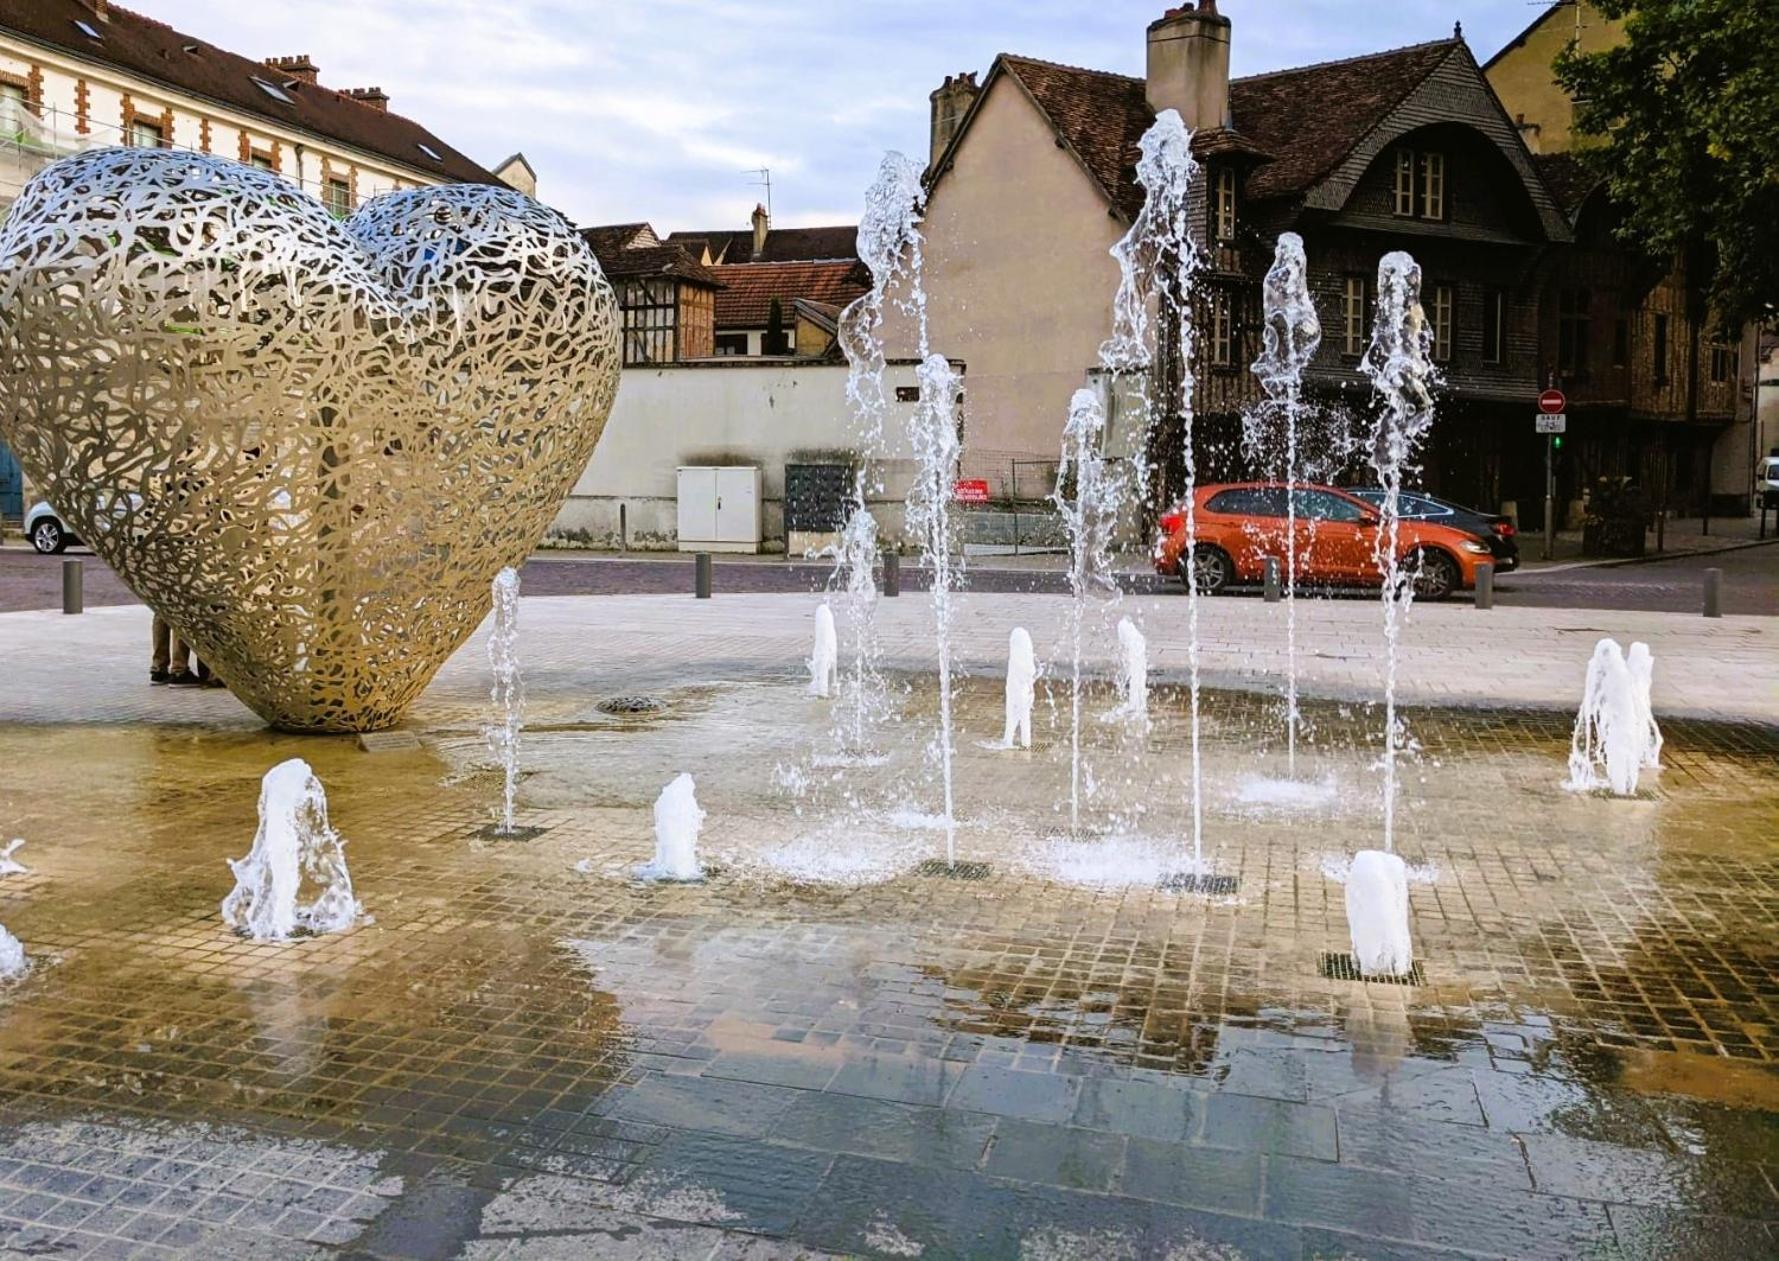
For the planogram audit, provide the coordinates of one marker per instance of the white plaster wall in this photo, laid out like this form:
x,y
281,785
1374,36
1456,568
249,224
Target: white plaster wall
x,y
727,413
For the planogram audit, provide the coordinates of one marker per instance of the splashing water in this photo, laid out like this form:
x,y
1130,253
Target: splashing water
x,y
678,820
1377,913
1158,261
824,657
10,866
294,878
1399,363
936,445
13,963
508,693
1292,334
1090,518
1616,737
864,697
1133,677
1022,682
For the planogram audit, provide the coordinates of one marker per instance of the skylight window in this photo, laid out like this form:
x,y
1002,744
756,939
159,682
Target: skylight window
x,y
431,152
273,90
86,29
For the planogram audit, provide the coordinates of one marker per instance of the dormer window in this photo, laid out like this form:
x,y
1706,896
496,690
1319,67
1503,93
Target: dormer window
x,y
86,29
431,152
1226,204
1420,184
273,90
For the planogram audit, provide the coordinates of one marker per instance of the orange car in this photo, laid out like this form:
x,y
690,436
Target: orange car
x,y
1240,525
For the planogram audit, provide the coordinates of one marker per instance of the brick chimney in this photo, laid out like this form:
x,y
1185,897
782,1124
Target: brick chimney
x,y
762,225
951,101
1188,66
298,67
376,98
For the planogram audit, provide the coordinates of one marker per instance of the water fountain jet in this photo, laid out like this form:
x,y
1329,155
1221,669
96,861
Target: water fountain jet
x,y
1022,676
678,820
294,879
508,694
1616,737
824,658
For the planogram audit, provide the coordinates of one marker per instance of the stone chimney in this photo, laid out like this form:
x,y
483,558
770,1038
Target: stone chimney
x,y
376,98
1188,66
298,67
951,101
762,225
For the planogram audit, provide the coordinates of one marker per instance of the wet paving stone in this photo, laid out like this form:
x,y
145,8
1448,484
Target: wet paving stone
x,y
944,1138
1245,1123
1055,1155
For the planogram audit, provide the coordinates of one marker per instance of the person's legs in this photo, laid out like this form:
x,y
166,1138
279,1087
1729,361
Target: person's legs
x,y
157,664
179,663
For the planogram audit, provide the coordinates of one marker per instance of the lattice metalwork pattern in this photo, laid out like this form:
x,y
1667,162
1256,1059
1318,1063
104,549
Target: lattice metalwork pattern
x,y
309,443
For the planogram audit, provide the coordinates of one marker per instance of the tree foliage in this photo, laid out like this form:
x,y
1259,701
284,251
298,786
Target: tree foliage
x,y
1689,108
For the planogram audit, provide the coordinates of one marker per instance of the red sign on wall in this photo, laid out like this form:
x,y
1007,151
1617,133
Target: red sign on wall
x,y
1551,402
971,491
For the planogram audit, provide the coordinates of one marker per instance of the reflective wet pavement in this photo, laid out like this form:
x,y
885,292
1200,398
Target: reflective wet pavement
x,y
525,1053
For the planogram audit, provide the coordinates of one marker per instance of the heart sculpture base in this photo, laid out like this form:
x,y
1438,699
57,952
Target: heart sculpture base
x,y
308,444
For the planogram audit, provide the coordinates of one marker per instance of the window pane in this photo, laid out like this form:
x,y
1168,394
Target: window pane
x,y
1319,505
1433,186
1405,182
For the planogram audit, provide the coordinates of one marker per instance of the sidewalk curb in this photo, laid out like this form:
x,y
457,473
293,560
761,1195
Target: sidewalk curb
x,y
1619,562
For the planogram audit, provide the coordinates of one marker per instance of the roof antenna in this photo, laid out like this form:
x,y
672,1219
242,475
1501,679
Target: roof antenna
x,y
765,174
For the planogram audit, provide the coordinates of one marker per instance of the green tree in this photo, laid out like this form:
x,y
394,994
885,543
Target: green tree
x,y
775,343
1689,108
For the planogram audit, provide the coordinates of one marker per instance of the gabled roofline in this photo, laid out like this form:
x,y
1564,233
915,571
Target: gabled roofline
x,y
1519,41
1000,70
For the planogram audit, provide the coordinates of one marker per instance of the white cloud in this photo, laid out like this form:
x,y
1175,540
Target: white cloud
x,y
656,109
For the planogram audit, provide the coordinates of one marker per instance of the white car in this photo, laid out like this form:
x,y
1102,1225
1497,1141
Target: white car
x,y
1766,481
43,526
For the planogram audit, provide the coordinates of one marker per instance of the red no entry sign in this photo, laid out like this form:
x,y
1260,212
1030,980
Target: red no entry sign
x,y
1551,402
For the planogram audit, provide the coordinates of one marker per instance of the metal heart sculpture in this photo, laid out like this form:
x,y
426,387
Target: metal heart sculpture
x,y
309,444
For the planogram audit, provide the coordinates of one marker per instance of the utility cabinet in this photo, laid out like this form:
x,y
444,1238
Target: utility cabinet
x,y
720,509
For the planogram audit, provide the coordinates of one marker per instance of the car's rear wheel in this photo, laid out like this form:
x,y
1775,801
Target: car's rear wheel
x,y
48,537
1436,575
1212,569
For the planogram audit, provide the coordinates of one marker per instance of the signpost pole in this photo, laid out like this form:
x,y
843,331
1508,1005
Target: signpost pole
x,y
1550,495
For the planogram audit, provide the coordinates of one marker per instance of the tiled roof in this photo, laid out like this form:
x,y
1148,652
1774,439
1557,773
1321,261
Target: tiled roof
x,y
750,287
151,50
608,238
619,262
783,245
1569,178
1300,123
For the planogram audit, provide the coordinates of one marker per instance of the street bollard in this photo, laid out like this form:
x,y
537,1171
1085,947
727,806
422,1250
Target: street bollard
x,y
73,587
1485,586
701,576
892,573
1714,593
1272,579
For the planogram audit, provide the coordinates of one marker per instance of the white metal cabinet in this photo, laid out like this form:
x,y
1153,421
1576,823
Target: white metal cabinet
x,y
720,509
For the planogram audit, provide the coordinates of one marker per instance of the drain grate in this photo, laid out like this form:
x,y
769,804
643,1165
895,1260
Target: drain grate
x,y
1340,966
952,871
492,832
622,705
1192,882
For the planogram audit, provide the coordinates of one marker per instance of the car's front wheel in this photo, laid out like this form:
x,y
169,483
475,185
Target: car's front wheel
x,y
1436,576
1212,570
48,537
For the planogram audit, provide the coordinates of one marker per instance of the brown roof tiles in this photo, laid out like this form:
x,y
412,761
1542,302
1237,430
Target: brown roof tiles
x,y
783,245
749,288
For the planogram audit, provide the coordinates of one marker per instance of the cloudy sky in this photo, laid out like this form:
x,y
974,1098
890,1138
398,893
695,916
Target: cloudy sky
x,y
659,109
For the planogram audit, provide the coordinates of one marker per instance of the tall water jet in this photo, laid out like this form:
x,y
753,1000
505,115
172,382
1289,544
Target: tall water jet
x,y
936,446
294,878
508,693
889,244
678,820
1292,333
1399,363
1158,262
1377,914
1088,496
1616,737
1133,677
1022,689
824,654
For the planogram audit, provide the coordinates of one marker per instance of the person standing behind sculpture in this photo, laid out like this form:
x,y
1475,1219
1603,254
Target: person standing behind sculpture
x,y
171,662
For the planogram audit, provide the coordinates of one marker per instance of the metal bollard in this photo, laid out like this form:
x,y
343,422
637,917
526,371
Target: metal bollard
x,y
73,587
701,569
1272,579
892,573
1714,593
1485,586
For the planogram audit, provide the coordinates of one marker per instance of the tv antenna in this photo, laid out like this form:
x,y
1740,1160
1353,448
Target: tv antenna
x,y
763,179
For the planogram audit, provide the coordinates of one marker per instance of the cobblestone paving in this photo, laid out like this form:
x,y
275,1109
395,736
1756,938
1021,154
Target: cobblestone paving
x,y
525,1053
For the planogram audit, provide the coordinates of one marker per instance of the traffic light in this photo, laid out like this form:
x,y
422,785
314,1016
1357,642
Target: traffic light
x,y
1556,442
